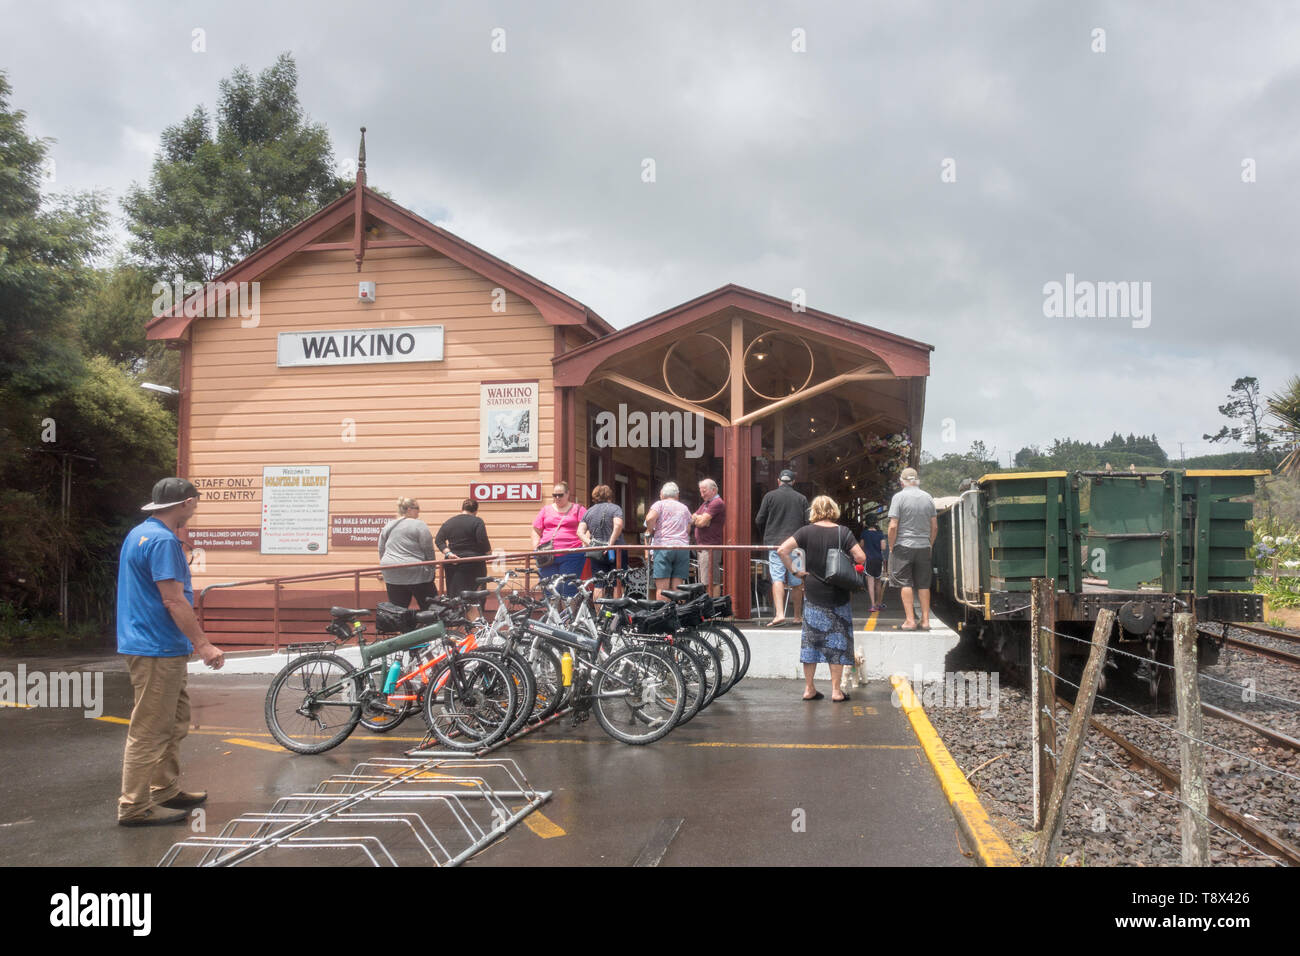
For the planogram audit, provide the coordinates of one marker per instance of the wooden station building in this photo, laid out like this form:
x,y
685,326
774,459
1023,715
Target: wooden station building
x,y
387,357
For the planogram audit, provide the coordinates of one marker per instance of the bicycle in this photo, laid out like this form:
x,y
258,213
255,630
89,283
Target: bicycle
x,y
637,693
316,700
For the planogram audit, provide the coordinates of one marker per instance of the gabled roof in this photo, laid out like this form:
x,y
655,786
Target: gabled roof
x,y
905,357
555,307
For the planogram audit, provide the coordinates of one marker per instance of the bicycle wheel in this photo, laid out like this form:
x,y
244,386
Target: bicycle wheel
x,y
379,721
525,689
475,703
314,703
728,656
742,647
638,695
696,680
550,682
709,662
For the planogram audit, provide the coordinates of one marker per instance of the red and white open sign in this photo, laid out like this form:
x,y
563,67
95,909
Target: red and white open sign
x,y
505,491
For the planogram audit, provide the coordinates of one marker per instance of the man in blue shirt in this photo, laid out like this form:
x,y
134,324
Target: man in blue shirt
x,y
157,631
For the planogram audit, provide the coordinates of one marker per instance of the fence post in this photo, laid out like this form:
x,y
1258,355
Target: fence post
x,y
1083,701
1191,752
1042,661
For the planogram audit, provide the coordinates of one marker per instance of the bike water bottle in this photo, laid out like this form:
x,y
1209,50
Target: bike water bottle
x,y
566,668
394,671
799,560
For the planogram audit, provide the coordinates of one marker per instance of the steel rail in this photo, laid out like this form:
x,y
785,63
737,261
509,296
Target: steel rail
x,y
1260,839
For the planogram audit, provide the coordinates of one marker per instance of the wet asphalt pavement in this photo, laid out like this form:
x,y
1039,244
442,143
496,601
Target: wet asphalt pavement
x,y
760,777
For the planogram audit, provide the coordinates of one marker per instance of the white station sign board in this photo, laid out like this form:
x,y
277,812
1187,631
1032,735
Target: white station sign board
x,y
404,343
295,509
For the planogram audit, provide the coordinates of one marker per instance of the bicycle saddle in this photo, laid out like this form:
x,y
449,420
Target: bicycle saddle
x,y
348,611
649,605
676,595
617,604
697,588
474,596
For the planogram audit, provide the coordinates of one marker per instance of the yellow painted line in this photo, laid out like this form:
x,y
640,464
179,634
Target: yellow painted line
x,y
858,711
430,775
811,746
115,720
543,826
871,621
990,848
13,703
255,744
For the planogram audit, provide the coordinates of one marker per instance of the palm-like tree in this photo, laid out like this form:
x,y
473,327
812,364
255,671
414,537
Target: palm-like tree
x,y
1285,409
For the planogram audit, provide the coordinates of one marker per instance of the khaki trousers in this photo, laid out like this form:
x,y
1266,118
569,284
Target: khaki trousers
x,y
160,719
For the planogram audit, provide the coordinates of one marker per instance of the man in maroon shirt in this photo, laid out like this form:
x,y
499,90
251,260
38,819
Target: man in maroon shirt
x,y
708,520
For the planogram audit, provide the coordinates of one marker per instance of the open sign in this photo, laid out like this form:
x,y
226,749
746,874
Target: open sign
x,y
505,491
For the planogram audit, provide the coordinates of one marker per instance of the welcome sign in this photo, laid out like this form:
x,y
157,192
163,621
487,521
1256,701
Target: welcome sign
x,y
405,343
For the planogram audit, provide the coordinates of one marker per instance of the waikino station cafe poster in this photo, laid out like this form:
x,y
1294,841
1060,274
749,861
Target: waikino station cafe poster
x,y
507,426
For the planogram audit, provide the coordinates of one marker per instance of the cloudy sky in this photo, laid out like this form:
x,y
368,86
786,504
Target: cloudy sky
x,y
925,168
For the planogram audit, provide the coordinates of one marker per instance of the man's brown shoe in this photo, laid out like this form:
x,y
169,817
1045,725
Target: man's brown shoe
x,y
183,800
154,817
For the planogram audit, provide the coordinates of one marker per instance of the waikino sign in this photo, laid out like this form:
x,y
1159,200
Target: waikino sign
x,y
408,343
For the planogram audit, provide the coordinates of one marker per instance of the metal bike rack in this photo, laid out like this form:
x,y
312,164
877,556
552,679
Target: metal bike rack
x,y
447,807
431,741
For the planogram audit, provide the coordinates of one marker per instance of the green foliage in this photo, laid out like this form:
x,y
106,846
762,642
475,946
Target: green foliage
x,y
942,476
1284,409
218,194
1245,412
1277,540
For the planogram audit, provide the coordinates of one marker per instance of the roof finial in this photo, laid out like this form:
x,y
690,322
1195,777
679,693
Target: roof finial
x,y
361,154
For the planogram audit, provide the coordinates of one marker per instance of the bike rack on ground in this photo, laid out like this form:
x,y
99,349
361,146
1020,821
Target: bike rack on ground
x,y
431,741
441,823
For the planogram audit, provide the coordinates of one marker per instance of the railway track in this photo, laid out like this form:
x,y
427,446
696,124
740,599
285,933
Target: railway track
x,y
1257,837
1263,649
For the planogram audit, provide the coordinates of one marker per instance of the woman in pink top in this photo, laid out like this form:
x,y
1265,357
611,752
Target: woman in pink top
x,y
557,524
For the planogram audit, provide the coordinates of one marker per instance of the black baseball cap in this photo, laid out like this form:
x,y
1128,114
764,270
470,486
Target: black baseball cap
x,y
786,475
169,492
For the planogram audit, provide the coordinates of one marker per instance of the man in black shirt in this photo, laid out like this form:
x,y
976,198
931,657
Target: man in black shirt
x,y
464,536
782,512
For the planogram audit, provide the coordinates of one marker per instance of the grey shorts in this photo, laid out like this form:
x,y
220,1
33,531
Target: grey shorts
x,y
909,567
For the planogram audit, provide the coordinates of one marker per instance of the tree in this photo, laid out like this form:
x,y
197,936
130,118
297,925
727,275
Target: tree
x,y
1284,407
1243,406
217,195
46,249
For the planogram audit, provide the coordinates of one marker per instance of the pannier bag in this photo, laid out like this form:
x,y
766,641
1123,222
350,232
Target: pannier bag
x,y
661,621
693,614
722,607
392,619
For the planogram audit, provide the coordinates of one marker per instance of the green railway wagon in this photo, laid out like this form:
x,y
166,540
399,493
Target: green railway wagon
x,y
1145,544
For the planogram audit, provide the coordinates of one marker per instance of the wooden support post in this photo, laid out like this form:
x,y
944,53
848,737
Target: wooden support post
x,y
1042,661
1069,762
1191,752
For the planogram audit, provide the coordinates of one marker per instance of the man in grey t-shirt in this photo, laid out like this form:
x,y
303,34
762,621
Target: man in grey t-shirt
x,y
913,526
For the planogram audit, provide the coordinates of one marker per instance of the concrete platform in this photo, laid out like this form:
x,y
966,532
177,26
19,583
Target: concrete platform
x,y
760,778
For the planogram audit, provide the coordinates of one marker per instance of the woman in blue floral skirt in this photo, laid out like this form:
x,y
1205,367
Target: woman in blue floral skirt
x,y
827,610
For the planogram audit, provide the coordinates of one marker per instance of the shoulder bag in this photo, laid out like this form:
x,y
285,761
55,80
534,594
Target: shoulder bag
x,y
840,570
